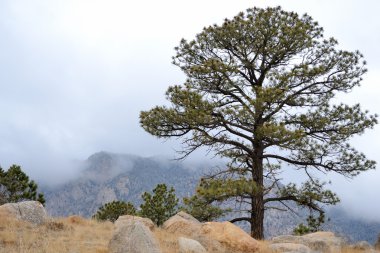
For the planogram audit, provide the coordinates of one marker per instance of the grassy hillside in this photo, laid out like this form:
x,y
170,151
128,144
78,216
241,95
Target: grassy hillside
x,y
75,234
60,235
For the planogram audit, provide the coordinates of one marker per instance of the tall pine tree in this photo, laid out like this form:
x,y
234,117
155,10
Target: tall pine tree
x,y
259,91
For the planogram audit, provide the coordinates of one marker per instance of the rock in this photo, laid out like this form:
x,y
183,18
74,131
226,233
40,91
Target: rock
x,y
126,218
214,236
187,245
290,247
183,224
230,236
133,236
325,242
30,211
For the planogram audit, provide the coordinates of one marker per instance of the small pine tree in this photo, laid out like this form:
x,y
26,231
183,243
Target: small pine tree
x,y
15,186
160,206
112,210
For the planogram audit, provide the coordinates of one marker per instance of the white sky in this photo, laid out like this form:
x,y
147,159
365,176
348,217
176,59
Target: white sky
x,y
74,75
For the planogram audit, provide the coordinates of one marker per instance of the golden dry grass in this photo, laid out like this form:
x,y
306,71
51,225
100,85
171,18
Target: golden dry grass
x,y
62,235
75,234
264,247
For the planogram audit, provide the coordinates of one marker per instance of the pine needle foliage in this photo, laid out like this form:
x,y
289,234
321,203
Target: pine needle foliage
x,y
160,206
201,209
112,210
15,186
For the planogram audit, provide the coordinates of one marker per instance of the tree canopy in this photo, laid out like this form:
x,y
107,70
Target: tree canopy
x,y
15,186
261,91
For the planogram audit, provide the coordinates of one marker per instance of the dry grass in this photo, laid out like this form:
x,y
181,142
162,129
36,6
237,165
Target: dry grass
x,y
78,235
63,235
264,247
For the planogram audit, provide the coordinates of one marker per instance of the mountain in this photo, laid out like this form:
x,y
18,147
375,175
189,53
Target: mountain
x,y
106,177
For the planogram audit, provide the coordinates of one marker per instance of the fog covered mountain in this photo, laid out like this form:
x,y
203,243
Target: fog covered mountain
x,y
106,177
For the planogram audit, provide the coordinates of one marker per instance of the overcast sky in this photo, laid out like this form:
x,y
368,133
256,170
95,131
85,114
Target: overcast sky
x,y
74,75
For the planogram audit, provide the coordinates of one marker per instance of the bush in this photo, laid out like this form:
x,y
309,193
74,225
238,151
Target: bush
x,y
112,210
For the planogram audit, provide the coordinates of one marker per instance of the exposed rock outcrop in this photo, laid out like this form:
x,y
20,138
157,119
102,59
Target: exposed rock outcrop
x,y
214,236
230,236
125,219
183,224
30,211
325,242
133,236
187,245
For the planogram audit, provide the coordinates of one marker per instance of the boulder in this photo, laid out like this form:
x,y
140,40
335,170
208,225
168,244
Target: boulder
x,y
133,236
289,247
126,218
230,236
213,236
325,242
30,211
187,245
182,224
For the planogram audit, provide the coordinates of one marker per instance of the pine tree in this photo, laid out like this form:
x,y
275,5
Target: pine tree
x,y
160,206
15,186
112,210
259,92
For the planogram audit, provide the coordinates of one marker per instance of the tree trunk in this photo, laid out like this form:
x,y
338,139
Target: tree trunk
x,y
257,218
257,204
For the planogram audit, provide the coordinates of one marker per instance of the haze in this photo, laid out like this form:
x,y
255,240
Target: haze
x,y
74,75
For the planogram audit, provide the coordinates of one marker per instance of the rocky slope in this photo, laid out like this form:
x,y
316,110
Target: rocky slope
x,y
106,177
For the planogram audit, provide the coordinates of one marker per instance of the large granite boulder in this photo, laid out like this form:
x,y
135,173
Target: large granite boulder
x,y
187,245
30,211
182,224
214,236
127,218
325,242
230,236
133,236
